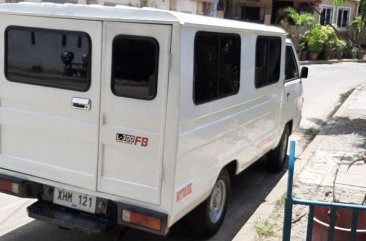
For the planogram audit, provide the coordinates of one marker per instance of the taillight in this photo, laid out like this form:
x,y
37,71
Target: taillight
x,y
9,186
141,220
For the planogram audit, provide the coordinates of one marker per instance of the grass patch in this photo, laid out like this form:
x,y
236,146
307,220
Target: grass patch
x,y
312,132
280,203
264,228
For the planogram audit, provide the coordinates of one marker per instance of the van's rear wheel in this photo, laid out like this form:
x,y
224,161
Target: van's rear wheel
x,y
276,158
207,218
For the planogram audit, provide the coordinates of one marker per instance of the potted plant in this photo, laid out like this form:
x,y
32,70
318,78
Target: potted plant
x,y
361,53
303,49
354,52
303,22
342,226
360,24
340,46
330,41
343,220
315,40
347,52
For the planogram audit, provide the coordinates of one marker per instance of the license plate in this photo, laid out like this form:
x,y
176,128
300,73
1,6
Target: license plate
x,y
74,200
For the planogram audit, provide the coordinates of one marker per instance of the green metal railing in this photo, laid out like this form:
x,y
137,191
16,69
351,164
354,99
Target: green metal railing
x,y
333,208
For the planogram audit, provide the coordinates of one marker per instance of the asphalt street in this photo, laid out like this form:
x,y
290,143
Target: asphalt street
x,y
321,91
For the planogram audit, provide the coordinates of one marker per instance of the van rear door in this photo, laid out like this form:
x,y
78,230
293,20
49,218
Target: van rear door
x,y
49,98
134,98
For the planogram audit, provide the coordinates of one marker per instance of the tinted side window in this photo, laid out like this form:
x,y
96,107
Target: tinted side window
x,y
135,67
291,71
216,66
52,58
267,61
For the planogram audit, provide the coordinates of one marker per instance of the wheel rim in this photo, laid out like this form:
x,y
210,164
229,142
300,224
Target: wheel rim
x,y
217,201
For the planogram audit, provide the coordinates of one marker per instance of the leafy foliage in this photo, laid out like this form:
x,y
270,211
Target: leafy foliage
x,y
315,39
363,10
323,38
300,19
360,24
339,2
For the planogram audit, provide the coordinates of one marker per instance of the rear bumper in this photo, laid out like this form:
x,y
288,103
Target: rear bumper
x,y
45,210
19,187
69,218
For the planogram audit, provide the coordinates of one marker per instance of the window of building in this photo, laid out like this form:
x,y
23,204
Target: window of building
x,y
267,60
326,16
50,58
251,14
343,17
135,67
216,66
291,70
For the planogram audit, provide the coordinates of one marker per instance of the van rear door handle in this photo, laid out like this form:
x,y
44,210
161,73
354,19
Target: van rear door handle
x,y
81,103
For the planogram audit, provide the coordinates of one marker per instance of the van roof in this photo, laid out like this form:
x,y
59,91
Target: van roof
x,y
126,13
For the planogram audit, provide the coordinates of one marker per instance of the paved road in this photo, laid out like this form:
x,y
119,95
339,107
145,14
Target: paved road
x,y
325,85
321,90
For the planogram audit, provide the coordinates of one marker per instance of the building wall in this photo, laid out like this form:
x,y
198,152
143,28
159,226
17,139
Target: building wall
x,y
235,9
352,6
186,6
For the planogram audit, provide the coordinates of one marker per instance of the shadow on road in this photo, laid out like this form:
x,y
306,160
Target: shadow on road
x,y
249,190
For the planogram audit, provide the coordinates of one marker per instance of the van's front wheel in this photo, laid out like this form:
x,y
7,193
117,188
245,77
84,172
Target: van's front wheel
x,y
276,158
207,218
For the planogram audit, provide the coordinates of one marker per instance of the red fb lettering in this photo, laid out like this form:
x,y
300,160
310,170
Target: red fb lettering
x,y
144,141
137,140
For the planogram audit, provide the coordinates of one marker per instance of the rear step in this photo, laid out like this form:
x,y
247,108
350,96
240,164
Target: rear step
x,y
69,218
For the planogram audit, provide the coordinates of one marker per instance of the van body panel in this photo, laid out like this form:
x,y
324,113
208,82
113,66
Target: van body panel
x,y
133,170
162,152
41,133
240,128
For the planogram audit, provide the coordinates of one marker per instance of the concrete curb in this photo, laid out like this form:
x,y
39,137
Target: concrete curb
x,y
265,210
332,61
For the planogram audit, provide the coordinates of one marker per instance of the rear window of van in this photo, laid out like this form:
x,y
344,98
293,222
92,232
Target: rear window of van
x,y
52,58
135,67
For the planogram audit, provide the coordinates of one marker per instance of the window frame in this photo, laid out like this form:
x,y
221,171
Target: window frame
x,y
255,61
348,18
297,67
332,8
156,67
45,84
219,35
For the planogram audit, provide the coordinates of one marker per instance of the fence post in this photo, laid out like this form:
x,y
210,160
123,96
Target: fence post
x,y
288,202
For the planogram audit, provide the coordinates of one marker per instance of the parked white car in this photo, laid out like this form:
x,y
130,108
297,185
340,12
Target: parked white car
x,y
130,116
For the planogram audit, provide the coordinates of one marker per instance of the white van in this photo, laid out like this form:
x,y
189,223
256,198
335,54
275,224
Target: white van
x,y
136,117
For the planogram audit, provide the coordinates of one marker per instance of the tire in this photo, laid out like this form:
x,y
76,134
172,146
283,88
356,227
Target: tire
x,y
276,159
207,218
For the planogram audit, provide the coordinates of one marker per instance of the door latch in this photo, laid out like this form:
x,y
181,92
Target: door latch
x,y
81,103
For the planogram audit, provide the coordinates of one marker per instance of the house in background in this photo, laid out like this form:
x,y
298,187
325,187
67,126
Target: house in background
x,y
341,16
259,11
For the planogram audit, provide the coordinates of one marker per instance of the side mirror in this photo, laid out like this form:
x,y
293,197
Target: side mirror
x,y
304,72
